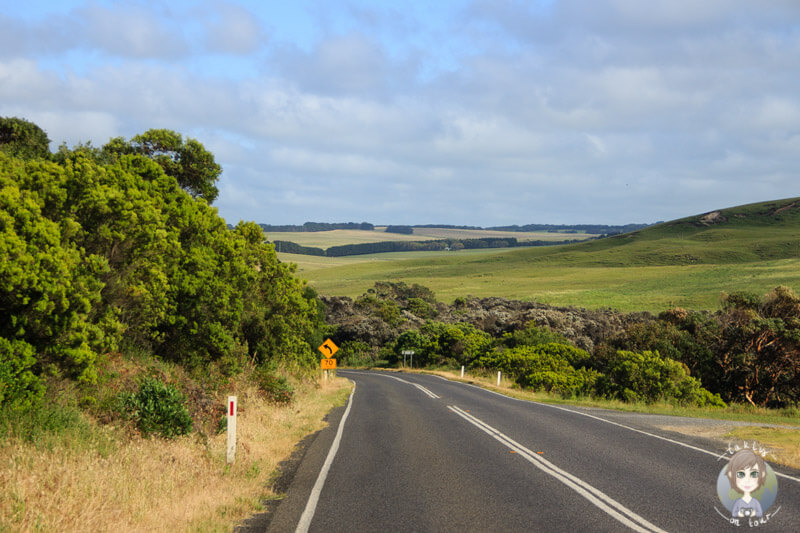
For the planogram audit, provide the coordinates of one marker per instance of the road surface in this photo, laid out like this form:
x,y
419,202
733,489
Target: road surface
x,y
420,453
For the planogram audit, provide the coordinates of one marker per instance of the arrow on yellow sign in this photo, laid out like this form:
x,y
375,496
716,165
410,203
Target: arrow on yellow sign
x,y
328,348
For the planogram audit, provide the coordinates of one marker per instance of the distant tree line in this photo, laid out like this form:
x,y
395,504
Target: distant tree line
x,y
593,229
402,230
318,226
411,246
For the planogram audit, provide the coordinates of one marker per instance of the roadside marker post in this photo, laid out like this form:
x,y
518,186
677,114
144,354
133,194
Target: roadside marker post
x,y
462,371
231,455
498,377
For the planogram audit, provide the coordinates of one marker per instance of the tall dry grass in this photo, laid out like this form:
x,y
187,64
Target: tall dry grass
x,y
154,484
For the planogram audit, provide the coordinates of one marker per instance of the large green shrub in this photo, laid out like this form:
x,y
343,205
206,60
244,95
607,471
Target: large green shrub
x,y
647,377
550,367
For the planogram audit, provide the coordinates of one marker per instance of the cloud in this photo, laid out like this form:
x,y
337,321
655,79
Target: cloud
x,y
235,30
484,113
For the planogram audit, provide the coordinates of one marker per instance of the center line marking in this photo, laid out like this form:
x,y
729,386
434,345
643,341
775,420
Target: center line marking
x,y
594,495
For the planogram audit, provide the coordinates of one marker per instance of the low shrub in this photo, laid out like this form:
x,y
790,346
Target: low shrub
x,y
276,388
157,409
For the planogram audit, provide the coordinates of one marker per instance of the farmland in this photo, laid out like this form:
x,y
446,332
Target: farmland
x,y
339,237
688,262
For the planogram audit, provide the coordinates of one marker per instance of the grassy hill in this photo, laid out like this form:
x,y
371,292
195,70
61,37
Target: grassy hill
x,y
687,262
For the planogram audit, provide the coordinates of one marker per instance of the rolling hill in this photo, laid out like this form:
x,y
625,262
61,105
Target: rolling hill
x,y
687,262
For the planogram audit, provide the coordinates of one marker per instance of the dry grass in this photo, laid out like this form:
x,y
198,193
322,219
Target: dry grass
x,y
783,444
158,485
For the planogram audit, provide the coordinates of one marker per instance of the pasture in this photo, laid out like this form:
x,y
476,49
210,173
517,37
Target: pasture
x,y
339,237
687,263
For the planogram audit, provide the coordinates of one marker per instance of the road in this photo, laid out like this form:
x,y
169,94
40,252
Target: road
x,y
421,453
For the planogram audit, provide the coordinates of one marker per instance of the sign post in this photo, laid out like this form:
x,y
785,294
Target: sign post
x,y
411,353
328,349
231,455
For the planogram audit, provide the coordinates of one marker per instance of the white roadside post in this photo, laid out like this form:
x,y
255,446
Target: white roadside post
x,y
498,378
231,429
462,371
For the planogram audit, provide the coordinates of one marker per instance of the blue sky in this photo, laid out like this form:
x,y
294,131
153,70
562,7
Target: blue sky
x,y
469,112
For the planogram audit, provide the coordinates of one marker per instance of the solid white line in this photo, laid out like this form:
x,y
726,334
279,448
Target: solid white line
x,y
679,443
313,499
594,495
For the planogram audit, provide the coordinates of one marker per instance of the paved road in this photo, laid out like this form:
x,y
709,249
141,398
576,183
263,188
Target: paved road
x,y
420,453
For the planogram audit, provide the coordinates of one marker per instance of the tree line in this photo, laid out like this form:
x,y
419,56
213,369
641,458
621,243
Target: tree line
x,y
412,246
317,226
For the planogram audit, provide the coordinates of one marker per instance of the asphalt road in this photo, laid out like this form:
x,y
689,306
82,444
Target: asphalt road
x,y
420,453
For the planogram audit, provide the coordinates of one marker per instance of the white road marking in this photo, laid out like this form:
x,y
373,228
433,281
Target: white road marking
x,y
313,499
673,441
430,393
594,495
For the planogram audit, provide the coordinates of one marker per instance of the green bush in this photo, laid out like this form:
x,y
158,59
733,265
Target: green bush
x,y
647,377
276,388
19,387
157,408
549,367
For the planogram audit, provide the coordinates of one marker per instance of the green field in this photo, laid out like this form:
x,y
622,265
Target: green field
x,y
688,263
339,237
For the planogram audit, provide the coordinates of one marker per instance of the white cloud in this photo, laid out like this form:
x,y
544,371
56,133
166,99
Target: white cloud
x,y
506,112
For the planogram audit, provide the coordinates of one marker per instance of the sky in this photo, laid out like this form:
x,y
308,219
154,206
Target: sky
x,y
463,112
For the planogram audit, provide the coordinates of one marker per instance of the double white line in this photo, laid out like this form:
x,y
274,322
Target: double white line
x,y
595,496
430,393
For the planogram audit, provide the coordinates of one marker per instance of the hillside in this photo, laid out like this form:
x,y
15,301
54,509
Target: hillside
x,y
754,232
686,262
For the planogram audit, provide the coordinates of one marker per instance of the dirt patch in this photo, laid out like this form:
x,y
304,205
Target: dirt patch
x,y
784,208
715,432
715,217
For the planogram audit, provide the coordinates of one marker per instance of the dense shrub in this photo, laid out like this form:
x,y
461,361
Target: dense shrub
x,y
157,409
118,249
355,353
550,367
19,387
647,377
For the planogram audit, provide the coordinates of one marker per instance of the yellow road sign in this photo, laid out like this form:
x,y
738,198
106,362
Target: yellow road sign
x,y
328,348
328,364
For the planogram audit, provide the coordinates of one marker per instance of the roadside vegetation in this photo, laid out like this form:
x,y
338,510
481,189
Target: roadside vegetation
x,y
748,351
128,311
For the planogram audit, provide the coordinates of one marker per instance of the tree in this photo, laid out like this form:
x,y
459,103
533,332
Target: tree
x,y
22,139
759,350
187,161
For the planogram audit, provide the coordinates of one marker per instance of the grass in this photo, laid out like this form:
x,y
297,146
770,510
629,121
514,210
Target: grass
x,y
108,482
784,443
683,263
